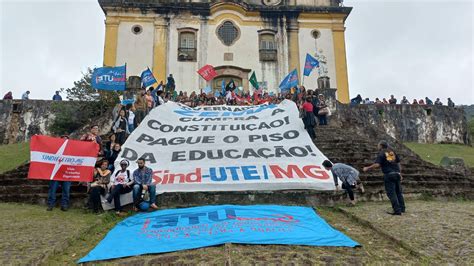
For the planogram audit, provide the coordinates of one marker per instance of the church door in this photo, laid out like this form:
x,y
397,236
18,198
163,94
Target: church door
x,y
217,82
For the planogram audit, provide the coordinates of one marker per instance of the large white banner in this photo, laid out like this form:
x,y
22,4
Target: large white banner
x,y
227,148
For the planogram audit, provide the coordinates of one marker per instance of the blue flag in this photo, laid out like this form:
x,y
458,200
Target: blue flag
x,y
147,78
291,80
223,87
207,89
190,228
310,64
110,78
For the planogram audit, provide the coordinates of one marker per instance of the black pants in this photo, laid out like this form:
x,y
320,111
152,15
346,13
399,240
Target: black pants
x,y
94,197
115,195
311,132
139,115
349,188
393,188
121,137
323,120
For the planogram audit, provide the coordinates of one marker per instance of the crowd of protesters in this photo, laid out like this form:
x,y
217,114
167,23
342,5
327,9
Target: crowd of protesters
x,y
127,116
392,100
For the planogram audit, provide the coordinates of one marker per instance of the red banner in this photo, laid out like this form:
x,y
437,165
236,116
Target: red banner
x,y
207,72
62,159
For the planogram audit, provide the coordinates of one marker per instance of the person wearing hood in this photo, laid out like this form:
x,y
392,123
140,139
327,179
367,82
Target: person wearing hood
x,y
8,96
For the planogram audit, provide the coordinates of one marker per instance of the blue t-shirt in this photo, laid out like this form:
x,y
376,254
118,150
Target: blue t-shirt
x,y
389,161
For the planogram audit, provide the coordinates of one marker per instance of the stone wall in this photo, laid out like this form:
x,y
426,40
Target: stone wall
x,y
19,120
412,123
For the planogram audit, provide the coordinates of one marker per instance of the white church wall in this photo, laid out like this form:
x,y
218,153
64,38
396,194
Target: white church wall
x,y
310,45
184,73
136,50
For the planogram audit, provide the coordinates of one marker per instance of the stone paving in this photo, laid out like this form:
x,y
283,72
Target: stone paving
x,y
442,232
29,234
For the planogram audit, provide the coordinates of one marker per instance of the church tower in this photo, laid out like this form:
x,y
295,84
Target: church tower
x,y
270,37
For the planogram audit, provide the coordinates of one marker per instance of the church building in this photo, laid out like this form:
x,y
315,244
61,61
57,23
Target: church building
x,y
270,37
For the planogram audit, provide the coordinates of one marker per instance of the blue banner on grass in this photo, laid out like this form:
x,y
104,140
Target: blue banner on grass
x,y
180,229
109,78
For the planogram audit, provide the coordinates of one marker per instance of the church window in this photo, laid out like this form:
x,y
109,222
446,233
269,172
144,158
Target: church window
x,y
316,34
187,45
267,46
137,29
228,33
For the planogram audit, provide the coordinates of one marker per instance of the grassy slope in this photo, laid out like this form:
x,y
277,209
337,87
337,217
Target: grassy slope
x,y
433,153
13,155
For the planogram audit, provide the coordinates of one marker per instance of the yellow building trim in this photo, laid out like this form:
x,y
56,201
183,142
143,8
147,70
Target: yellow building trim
x,y
342,80
226,7
229,16
111,39
159,51
318,25
294,52
315,16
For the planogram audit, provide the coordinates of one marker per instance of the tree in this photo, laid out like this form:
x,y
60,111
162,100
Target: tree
x,y
88,104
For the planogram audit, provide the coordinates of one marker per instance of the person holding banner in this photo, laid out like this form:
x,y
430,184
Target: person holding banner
x,y
121,183
309,120
99,185
150,101
65,188
93,137
160,100
143,179
389,161
131,119
348,176
140,107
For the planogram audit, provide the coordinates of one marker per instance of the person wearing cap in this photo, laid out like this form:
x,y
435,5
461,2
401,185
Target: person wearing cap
x,y
121,182
389,161
348,176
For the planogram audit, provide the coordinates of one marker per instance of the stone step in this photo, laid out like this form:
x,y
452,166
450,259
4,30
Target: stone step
x,y
34,189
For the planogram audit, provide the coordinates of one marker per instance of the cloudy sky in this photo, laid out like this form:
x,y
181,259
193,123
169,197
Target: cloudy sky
x,y
413,48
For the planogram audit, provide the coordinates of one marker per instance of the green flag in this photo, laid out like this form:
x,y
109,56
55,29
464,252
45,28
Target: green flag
x,y
253,81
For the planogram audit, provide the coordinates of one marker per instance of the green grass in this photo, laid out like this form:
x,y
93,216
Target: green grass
x,y
13,155
433,153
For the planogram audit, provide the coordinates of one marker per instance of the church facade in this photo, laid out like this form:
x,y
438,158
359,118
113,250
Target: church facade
x,y
270,37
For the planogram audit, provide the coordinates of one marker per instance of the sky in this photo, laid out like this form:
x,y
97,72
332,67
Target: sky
x,y
412,48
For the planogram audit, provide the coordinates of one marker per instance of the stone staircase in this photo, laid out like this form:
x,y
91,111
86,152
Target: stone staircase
x,y
15,187
346,144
